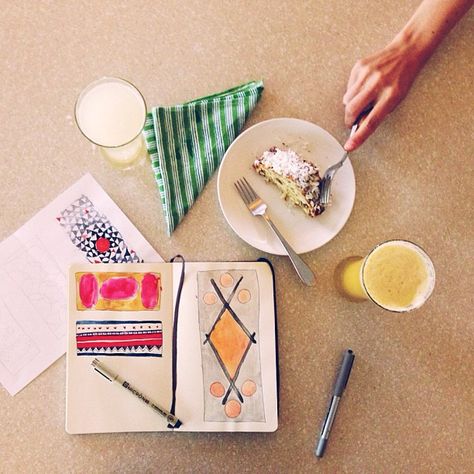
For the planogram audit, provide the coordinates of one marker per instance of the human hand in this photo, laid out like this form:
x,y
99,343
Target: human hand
x,y
383,80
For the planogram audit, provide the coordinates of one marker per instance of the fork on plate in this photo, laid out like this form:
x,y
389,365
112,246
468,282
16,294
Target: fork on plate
x,y
326,181
258,208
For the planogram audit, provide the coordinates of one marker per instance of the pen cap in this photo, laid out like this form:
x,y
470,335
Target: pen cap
x,y
344,373
104,371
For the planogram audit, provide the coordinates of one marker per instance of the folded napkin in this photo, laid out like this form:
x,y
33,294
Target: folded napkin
x,y
186,143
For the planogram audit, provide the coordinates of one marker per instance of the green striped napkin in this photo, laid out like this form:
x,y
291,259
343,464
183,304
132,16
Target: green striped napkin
x,y
186,143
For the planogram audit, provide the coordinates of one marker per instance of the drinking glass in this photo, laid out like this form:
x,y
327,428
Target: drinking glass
x,y
397,275
111,112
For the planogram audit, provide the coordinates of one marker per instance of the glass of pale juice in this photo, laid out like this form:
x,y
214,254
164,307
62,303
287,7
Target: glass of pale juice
x,y
111,112
397,275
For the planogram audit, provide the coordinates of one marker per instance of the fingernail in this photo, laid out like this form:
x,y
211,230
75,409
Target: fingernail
x,y
349,146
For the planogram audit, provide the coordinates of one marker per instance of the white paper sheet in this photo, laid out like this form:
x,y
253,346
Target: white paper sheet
x,y
34,263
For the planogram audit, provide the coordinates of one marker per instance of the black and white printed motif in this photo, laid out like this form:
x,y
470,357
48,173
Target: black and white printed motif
x,y
93,234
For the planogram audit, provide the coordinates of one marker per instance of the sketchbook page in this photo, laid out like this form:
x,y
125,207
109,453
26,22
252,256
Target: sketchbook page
x,y
82,224
123,316
32,323
227,368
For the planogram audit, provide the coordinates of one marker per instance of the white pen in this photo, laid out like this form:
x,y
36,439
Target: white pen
x,y
113,377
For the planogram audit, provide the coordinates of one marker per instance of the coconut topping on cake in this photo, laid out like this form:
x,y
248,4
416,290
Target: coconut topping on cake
x,y
288,163
297,178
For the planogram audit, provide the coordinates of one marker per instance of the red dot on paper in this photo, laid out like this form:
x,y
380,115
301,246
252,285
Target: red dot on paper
x,y
102,245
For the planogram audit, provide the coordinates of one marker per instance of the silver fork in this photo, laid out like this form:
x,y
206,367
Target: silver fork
x,y
326,181
258,208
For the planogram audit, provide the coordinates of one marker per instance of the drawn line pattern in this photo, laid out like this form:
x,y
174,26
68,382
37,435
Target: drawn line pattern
x,y
93,234
226,306
41,283
119,338
16,347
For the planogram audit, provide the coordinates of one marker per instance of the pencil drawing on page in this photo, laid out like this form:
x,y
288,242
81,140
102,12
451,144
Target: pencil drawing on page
x,y
16,347
29,267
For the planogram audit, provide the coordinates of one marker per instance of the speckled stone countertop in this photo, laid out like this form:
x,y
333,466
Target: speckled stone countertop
x,y
409,406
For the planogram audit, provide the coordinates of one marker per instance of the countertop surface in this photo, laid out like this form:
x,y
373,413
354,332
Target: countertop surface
x,y
409,406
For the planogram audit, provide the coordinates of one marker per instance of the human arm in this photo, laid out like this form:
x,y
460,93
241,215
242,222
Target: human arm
x,y
384,78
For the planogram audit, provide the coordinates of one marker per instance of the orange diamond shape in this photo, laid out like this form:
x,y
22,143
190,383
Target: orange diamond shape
x,y
230,341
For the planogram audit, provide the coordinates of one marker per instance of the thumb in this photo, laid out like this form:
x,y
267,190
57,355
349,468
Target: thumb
x,y
368,125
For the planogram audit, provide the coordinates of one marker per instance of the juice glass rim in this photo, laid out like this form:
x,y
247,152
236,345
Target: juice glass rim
x,y
95,83
426,257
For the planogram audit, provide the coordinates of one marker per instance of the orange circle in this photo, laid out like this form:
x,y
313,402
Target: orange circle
x,y
217,389
232,408
249,387
227,280
244,296
210,298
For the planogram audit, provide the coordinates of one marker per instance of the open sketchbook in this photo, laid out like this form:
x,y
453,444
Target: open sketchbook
x,y
212,361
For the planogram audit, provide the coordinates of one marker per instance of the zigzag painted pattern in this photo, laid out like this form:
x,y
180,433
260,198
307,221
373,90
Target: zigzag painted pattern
x,y
119,338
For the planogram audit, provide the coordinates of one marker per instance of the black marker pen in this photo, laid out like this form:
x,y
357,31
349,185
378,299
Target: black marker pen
x,y
341,383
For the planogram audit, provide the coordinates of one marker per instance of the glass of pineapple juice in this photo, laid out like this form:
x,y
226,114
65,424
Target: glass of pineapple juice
x,y
111,112
397,275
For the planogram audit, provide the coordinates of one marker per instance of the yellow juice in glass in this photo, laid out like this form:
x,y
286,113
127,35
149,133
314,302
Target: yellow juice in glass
x,y
397,275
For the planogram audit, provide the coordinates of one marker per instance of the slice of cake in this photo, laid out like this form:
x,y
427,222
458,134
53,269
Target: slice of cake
x,y
297,179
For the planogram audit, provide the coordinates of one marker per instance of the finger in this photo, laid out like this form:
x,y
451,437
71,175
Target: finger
x,y
355,71
358,104
369,124
358,69
357,77
353,88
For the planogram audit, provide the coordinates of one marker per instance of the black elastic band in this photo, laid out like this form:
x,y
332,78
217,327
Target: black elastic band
x,y
175,338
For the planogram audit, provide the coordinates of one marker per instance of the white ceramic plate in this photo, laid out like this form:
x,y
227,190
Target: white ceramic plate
x,y
302,232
